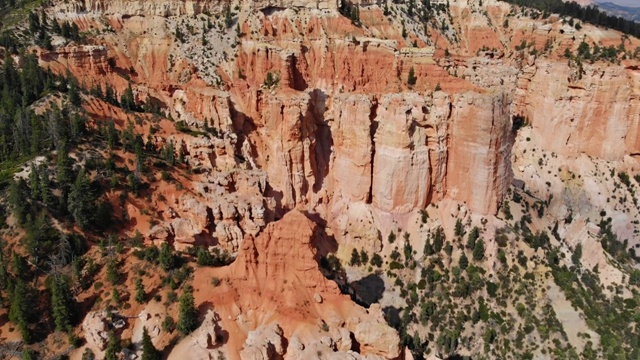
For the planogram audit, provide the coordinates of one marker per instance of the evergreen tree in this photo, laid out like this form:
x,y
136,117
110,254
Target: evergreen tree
x,y
228,19
75,32
355,258
412,79
169,153
577,255
65,29
127,100
428,248
19,265
4,271
28,354
81,204
18,193
140,293
188,315
459,228
113,347
62,303
55,27
149,352
74,92
473,236
204,258
464,262
112,272
166,258
46,42
478,250
88,354
111,134
34,182
64,173
438,240
110,96
78,123
19,312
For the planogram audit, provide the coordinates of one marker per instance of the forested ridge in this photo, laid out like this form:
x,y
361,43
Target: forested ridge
x,y
69,163
588,14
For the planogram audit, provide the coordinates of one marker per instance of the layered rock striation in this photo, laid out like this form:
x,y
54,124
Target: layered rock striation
x,y
276,301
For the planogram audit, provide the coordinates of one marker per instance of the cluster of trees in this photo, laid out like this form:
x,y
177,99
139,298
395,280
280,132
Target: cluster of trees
x,y
587,53
22,132
352,11
18,293
39,26
588,14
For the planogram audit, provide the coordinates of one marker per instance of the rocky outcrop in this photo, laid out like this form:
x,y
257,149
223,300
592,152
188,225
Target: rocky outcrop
x,y
277,273
479,165
290,155
163,8
96,329
309,4
91,58
582,114
351,130
166,8
401,165
375,337
264,343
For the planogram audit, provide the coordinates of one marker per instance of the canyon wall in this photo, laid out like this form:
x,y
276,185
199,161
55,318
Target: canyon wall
x,y
582,113
399,151
166,8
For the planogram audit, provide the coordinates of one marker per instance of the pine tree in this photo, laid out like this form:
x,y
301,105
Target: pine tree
x,y
228,19
18,192
28,354
188,315
115,296
464,262
478,250
127,100
149,352
113,347
19,310
64,172
62,303
166,258
473,236
88,354
438,240
112,272
428,248
459,228
74,93
411,79
355,258
110,95
19,265
169,153
34,181
140,293
55,27
81,204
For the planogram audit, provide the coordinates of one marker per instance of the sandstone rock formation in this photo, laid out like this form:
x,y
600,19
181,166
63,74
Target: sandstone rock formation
x,y
268,296
263,343
341,137
95,327
582,115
